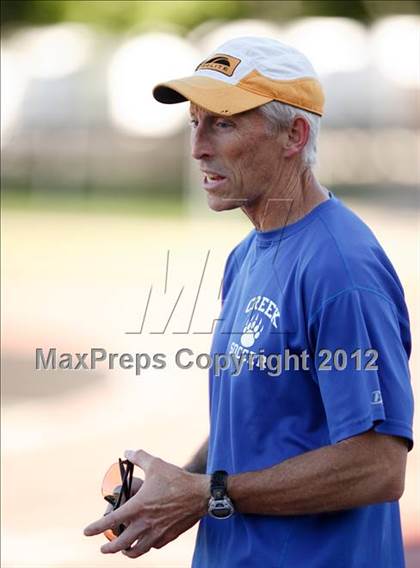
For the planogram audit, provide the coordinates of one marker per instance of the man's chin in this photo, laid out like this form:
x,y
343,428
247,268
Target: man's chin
x,y
217,203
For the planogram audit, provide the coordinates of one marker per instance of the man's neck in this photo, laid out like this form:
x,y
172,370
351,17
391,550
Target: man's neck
x,y
287,201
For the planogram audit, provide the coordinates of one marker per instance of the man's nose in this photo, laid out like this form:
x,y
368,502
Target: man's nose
x,y
201,146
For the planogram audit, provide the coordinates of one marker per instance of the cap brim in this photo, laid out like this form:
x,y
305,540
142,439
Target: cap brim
x,y
213,95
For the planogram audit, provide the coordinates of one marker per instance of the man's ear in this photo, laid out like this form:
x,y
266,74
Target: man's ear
x,y
297,137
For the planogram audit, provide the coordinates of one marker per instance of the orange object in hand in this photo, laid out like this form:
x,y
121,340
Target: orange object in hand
x,y
116,490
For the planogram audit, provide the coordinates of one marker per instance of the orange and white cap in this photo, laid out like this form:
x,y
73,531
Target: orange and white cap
x,y
245,73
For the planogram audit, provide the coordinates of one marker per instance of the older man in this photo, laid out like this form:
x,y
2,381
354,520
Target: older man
x,y
304,469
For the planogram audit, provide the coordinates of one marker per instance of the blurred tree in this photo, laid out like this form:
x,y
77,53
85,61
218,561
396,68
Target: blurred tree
x,y
307,8
363,10
124,14
346,8
379,8
31,11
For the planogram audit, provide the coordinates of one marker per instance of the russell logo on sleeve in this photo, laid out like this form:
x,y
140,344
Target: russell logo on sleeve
x,y
376,397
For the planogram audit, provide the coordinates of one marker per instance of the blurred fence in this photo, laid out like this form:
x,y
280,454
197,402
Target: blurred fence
x,y
78,115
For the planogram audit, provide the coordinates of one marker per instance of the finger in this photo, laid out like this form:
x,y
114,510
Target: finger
x,y
160,543
141,547
140,458
125,540
114,519
109,521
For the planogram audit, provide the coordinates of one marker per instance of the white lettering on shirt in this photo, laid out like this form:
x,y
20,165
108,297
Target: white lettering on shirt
x,y
265,306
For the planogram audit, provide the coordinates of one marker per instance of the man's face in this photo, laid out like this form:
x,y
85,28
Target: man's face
x,y
239,157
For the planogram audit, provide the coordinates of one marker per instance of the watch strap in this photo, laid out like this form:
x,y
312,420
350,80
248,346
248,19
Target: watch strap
x,y
218,484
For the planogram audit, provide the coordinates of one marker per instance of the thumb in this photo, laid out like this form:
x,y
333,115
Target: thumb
x,y
140,458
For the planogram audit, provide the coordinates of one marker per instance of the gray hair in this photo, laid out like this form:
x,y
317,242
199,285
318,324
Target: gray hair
x,y
281,115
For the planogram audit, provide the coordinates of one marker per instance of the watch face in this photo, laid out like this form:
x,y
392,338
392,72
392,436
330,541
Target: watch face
x,y
221,508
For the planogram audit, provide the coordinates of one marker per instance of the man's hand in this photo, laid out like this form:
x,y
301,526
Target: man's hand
x,y
136,484
169,502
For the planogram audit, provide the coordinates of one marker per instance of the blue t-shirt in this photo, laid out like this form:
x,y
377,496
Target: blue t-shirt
x,y
317,314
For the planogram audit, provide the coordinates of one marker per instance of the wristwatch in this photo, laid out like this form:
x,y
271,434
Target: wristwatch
x,y
220,506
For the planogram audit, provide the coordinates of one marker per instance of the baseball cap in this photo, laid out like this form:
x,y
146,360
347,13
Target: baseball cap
x,y
245,73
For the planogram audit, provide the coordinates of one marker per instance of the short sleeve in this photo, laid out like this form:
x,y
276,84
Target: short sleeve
x,y
360,360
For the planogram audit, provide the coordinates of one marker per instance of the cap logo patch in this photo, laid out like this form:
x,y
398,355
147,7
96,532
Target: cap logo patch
x,y
222,63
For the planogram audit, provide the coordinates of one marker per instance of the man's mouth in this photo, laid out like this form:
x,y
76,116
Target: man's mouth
x,y
211,180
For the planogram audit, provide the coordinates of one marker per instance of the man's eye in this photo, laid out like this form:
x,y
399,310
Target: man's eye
x,y
193,123
223,124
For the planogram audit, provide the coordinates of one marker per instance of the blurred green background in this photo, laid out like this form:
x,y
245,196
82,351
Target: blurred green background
x,y
122,15
100,200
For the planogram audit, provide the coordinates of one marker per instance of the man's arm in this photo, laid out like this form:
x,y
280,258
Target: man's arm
x,y
364,469
198,462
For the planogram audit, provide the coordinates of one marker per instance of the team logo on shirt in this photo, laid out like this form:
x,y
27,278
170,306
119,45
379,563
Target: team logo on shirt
x,y
262,312
251,332
265,306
